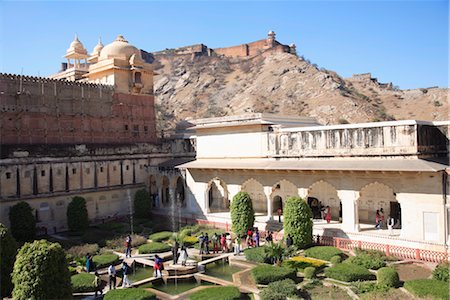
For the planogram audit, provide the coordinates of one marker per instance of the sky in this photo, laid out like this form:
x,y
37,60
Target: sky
x,y
404,42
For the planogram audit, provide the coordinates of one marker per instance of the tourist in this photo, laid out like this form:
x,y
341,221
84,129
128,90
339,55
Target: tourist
x,y
328,214
280,212
98,284
125,272
248,241
269,238
256,237
377,220
112,277
229,242
215,239
237,245
206,243
128,246
381,218
175,252
183,255
201,241
157,266
289,240
390,225
223,243
89,263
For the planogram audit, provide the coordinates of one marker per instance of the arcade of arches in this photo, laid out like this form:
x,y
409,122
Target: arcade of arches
x,y
166,190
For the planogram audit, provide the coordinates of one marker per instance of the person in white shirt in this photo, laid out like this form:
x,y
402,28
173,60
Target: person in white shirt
x,y
112,276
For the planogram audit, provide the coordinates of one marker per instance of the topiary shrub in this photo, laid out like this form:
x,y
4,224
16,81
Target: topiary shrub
x,y
298,221
104,260
8,250
23,222
323,252
265,274
257,254
153,247
441,272
279,290
142,204
309,272
217,293
83,282
161,236
77,215
125,294
348,273
388,277
336,260
41,272
428,288
242,213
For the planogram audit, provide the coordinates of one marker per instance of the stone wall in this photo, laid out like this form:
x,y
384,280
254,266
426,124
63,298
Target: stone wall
x,y
44,111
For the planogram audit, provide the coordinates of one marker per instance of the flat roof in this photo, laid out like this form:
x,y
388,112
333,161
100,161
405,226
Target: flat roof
x,y
346,164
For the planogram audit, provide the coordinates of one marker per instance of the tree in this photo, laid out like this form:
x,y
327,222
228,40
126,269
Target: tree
x,y
77,214
8,250
277,252
298,221
41,272
23,222
142,204
242,213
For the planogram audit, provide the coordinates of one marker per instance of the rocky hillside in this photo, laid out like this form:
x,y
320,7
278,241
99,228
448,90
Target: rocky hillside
x,y
282,83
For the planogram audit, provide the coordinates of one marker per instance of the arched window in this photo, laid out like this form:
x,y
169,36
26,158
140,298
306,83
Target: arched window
x,y
137,77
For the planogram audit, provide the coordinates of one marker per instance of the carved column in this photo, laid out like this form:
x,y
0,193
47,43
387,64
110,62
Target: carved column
x,y
350,218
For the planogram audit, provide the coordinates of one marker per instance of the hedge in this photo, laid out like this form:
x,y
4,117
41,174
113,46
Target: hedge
x,y
142,204
299,263
441,272
257,254
217,293
126,294
323,252
298,221
23,222
368,259
336,260
309,272
77,215
161,236
242,214
279,290
388,277
104,260
83,282
189,241
8,250
428,288
154,247
265,274
348,273
41,272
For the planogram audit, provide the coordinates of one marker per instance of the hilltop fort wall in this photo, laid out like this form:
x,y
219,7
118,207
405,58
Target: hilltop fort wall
x,y
45,111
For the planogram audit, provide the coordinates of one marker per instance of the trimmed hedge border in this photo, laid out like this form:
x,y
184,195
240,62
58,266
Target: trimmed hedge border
x,y
153,247
161,236
428,288
126,294
217,293
388,277
257,254
279,290
323,252
349,273
265,274
104,260
83,282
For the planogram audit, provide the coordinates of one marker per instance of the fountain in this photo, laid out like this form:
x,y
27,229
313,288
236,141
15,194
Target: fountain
x,y
130,208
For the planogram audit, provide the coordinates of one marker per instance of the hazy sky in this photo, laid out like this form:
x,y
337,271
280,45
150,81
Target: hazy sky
x,y
405,42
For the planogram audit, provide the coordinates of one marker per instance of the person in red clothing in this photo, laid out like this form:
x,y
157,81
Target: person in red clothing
x,y
328,214
223,243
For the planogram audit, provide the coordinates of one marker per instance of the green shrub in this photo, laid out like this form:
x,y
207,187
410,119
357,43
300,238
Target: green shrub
x,y
83,282
77,215
217,293
23,223
242,213
161,236
142,204
336,260
153,247
104,260
309,272
257,254
41,272
348,273
73,270
265,274
388,277
428,288
323,252
126,294
279,290
298,221
441,272
191,229
189,241
368,259
82,250
361,287
8,250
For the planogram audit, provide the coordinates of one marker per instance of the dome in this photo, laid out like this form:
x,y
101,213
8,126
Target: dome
x,y
97,48
120,48
76,47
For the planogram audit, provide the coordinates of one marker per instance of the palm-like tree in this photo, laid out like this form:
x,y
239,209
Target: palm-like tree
x,y
277,252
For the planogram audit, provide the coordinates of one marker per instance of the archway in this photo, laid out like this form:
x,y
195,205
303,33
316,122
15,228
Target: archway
x,y
277,203
322,194
179,192
153,189
283,189
375,196
165,199
256,192
217,196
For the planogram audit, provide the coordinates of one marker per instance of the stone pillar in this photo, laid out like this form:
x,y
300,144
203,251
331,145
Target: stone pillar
x,y
350,219
267,192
